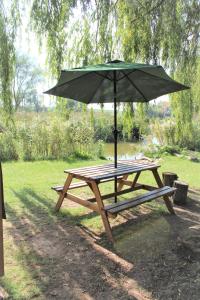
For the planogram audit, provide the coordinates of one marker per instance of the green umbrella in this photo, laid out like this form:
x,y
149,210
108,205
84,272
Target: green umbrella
x,y
115,81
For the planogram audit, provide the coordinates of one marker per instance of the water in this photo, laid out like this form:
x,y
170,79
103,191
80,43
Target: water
x,y
124,150
130,150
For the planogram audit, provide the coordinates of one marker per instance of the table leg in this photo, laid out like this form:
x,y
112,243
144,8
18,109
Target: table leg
x,y
102,211
121,184
125,177
166,198
135,179
62,195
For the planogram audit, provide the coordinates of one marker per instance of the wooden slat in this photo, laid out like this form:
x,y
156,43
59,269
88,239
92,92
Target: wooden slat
x,y
108,168
111,173
120,162
120,206
124,167
119,173
75,185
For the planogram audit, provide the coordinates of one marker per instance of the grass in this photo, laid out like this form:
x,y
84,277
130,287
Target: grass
x,y
29,205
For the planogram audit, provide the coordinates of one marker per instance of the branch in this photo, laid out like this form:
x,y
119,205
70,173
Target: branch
x,y
149,11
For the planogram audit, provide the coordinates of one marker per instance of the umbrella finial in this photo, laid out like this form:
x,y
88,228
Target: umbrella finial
x,y
116,61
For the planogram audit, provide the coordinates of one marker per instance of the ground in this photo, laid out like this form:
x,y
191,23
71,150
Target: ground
x,y
67,255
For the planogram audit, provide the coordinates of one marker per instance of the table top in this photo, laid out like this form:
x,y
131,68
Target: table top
x,y
107,171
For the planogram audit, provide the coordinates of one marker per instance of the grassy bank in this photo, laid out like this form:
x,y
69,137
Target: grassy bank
x,y
29,205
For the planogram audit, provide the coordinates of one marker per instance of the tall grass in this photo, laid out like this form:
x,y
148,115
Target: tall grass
x,y
49,139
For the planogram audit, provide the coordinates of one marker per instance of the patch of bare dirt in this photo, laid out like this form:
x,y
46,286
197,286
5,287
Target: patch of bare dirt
x,y
156,256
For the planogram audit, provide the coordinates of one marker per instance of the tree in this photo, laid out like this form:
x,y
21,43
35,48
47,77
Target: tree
x,y
9,19
25,83
157,31
165,32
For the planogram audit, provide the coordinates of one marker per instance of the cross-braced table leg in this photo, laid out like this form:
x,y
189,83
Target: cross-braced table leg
x,y
103,214
121,183
166,198
125,177
62,194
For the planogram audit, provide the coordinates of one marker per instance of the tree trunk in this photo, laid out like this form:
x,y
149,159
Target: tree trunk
x,y
180,196
168,178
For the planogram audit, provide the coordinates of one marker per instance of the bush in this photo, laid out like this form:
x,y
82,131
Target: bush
x,y
100,149
55,140
8,149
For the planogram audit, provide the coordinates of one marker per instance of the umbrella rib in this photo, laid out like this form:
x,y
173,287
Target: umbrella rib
x,y
88,73
96,89
126,74
171,80
133,84
105,77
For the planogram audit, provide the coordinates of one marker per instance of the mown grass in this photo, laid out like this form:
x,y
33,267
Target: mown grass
x,y
28,197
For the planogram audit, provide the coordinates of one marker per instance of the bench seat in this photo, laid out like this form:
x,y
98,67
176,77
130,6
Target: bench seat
x,y
79,184
123,205
74,185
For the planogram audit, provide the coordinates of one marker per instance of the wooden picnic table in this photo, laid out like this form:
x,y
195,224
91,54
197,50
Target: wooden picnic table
x,y
96,175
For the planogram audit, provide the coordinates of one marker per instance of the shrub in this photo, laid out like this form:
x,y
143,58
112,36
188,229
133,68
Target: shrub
x,y
26,143
8,149
100,149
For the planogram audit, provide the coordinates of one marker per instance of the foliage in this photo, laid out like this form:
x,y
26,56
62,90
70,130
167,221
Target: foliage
x,y
50,20
52,141
166,134
100,149
24,85
9,18
48,138
128,120
160,32
8,147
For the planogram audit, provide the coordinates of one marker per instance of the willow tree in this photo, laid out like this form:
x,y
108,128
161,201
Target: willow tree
x,y
157,31
9,18
165,32
64,28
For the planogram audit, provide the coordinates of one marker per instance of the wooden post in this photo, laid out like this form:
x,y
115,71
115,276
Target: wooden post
x,y
168,178
2,215
180,196
166,198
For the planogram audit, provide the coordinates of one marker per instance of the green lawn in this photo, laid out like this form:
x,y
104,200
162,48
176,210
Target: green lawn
x,y
28,197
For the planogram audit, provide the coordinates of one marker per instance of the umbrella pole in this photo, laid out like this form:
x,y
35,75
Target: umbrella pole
x,y
115,127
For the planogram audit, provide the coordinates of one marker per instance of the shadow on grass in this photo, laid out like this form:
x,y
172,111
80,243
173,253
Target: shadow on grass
x,y
73,262
54,256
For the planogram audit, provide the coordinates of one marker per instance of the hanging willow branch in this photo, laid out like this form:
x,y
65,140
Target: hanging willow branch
x,y
9,19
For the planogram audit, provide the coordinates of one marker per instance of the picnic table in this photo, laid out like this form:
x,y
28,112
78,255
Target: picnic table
x,y
96,175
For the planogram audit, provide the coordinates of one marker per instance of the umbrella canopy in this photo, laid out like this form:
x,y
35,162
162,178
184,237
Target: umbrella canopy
x,y
134,83
115,81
